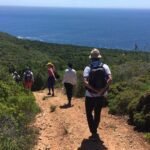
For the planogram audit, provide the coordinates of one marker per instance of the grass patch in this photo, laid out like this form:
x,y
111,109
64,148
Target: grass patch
x,y
53,108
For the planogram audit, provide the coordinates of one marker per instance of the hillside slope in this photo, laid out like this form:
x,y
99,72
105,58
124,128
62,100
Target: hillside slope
x,y
67,129
130,71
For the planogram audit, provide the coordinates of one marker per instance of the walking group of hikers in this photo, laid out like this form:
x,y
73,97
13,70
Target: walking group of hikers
x,y
28,78
97,78
69,80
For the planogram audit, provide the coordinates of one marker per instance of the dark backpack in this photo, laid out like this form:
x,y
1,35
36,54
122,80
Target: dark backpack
x,y
28,76
56,75
97,76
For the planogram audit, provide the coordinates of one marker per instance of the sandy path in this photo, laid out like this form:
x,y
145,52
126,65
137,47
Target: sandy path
x,y
67,129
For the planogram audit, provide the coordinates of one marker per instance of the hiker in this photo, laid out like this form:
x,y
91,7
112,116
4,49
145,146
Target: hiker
x,y
16,76
28,78
97,78
69,81
51,78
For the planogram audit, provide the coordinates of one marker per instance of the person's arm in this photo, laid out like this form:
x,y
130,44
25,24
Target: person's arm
x,y
85,79
64,77
52,71
86,84
109,80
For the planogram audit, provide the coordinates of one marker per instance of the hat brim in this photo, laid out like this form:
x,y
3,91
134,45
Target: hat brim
x,y
49,64
99,56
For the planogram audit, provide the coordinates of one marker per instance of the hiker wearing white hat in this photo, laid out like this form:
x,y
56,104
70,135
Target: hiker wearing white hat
x,y
95,53
97,78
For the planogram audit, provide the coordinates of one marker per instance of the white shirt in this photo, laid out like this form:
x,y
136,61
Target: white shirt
x,y
70,76
86,74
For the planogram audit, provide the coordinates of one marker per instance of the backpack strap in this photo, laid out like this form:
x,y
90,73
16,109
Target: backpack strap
x,y
101,64
96,64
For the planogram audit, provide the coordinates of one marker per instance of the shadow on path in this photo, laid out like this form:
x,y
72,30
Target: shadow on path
x,y
65,106
88,144
47,97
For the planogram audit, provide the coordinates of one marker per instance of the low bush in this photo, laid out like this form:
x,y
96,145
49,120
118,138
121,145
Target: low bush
x,y
79,89
140,114
147,136
119,105
17,110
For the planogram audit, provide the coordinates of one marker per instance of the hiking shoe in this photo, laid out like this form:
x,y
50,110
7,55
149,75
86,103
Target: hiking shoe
x,y
49,94
69,105
53,94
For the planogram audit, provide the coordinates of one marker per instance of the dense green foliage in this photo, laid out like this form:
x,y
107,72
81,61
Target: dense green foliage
x,y
126,95
17,109
147,136
130,70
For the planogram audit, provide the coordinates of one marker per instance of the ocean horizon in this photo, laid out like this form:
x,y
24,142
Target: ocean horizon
x,y
95,27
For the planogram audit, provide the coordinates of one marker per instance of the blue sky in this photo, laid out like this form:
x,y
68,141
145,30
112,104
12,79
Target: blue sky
x,y
80,3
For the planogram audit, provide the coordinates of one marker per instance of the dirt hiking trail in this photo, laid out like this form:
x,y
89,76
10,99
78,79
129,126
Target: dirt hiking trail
x,y
67,129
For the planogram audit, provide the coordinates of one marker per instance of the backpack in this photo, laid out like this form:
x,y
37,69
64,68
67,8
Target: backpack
x,y
97,76
28,76
56,75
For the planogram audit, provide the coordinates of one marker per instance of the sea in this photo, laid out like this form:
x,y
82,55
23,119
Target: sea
x,y
127,29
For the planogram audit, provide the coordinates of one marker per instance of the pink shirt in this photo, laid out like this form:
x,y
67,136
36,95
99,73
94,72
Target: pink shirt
x,y
50,72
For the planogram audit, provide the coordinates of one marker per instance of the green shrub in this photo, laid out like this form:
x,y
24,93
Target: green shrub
x,y
119,105
39,82
17,110
132,109
141,114
139,120
80,89
147,137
